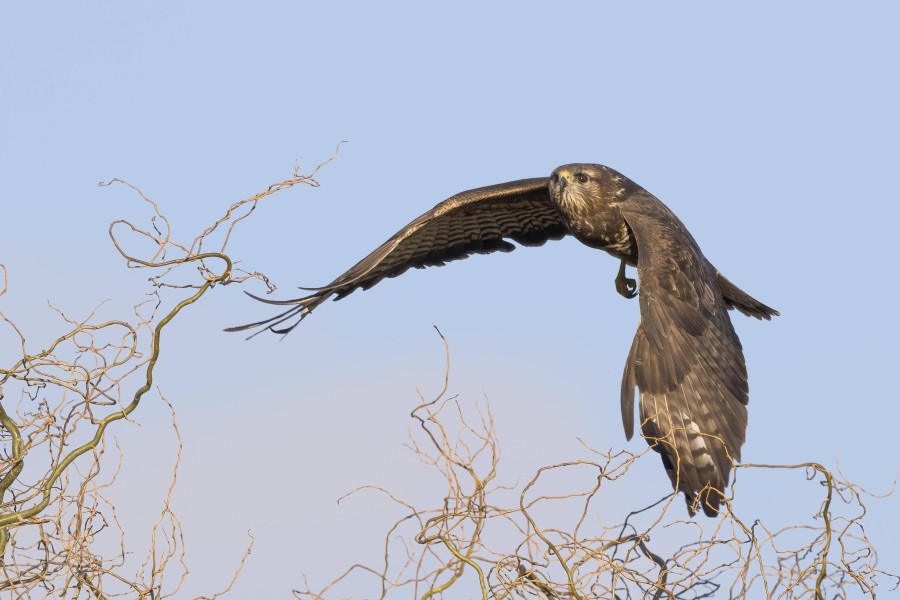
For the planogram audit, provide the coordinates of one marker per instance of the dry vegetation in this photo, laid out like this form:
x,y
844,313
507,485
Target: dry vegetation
x,y
59,403
540,539
543,540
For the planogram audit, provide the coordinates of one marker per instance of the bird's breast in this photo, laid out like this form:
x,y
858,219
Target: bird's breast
x,y
604,230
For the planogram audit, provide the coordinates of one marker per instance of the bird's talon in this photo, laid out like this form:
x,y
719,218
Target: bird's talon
x,y
626,287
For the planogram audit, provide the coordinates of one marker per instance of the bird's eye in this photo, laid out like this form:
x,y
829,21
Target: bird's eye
x,y
581,177
554,178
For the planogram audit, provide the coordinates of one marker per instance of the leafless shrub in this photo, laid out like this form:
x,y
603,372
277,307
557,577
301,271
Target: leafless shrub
x,y
543,540
59,403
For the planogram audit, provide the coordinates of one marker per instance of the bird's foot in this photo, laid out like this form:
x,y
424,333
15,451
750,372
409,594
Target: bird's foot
x,y
626,286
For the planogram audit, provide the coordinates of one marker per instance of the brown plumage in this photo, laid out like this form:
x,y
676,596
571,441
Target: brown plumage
x,y
686,359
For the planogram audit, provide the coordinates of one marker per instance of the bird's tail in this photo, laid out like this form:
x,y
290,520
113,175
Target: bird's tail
x,y
300,307
737,298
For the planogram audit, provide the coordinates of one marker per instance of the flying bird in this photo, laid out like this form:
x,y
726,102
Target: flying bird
x,y
685,360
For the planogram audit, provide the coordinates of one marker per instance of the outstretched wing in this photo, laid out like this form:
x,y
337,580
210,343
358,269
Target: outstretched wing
x,y
686,359
477,221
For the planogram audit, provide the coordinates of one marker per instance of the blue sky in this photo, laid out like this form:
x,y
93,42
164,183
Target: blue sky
x,y
770,130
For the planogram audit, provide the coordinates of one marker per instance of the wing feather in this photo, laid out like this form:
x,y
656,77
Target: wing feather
x,y
478,221
686,359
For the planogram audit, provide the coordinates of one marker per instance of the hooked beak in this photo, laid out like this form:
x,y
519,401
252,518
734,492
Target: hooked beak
x,y
563,179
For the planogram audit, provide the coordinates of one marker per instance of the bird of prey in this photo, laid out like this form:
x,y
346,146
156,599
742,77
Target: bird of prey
x,y
686,359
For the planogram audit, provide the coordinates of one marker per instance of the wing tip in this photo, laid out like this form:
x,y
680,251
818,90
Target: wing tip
x,y
300,308
708,499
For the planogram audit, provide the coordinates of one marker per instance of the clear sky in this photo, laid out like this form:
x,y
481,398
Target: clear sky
x,y
771,130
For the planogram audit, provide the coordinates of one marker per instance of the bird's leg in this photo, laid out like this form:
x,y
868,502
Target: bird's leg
x,y
626,286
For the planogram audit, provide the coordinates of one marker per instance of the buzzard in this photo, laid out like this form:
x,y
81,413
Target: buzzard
x,y
685,360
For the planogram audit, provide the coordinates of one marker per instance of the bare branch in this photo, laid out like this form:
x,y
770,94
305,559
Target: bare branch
x,y
58,404
543,540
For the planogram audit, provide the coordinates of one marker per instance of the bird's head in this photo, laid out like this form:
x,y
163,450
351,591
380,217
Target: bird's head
x,y
584,184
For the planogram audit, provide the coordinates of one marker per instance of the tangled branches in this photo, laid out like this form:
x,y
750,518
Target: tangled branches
x,y
58,403
543,540
568,532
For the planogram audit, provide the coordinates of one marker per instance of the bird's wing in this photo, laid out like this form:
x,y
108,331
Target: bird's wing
x,y
686,359
477,221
